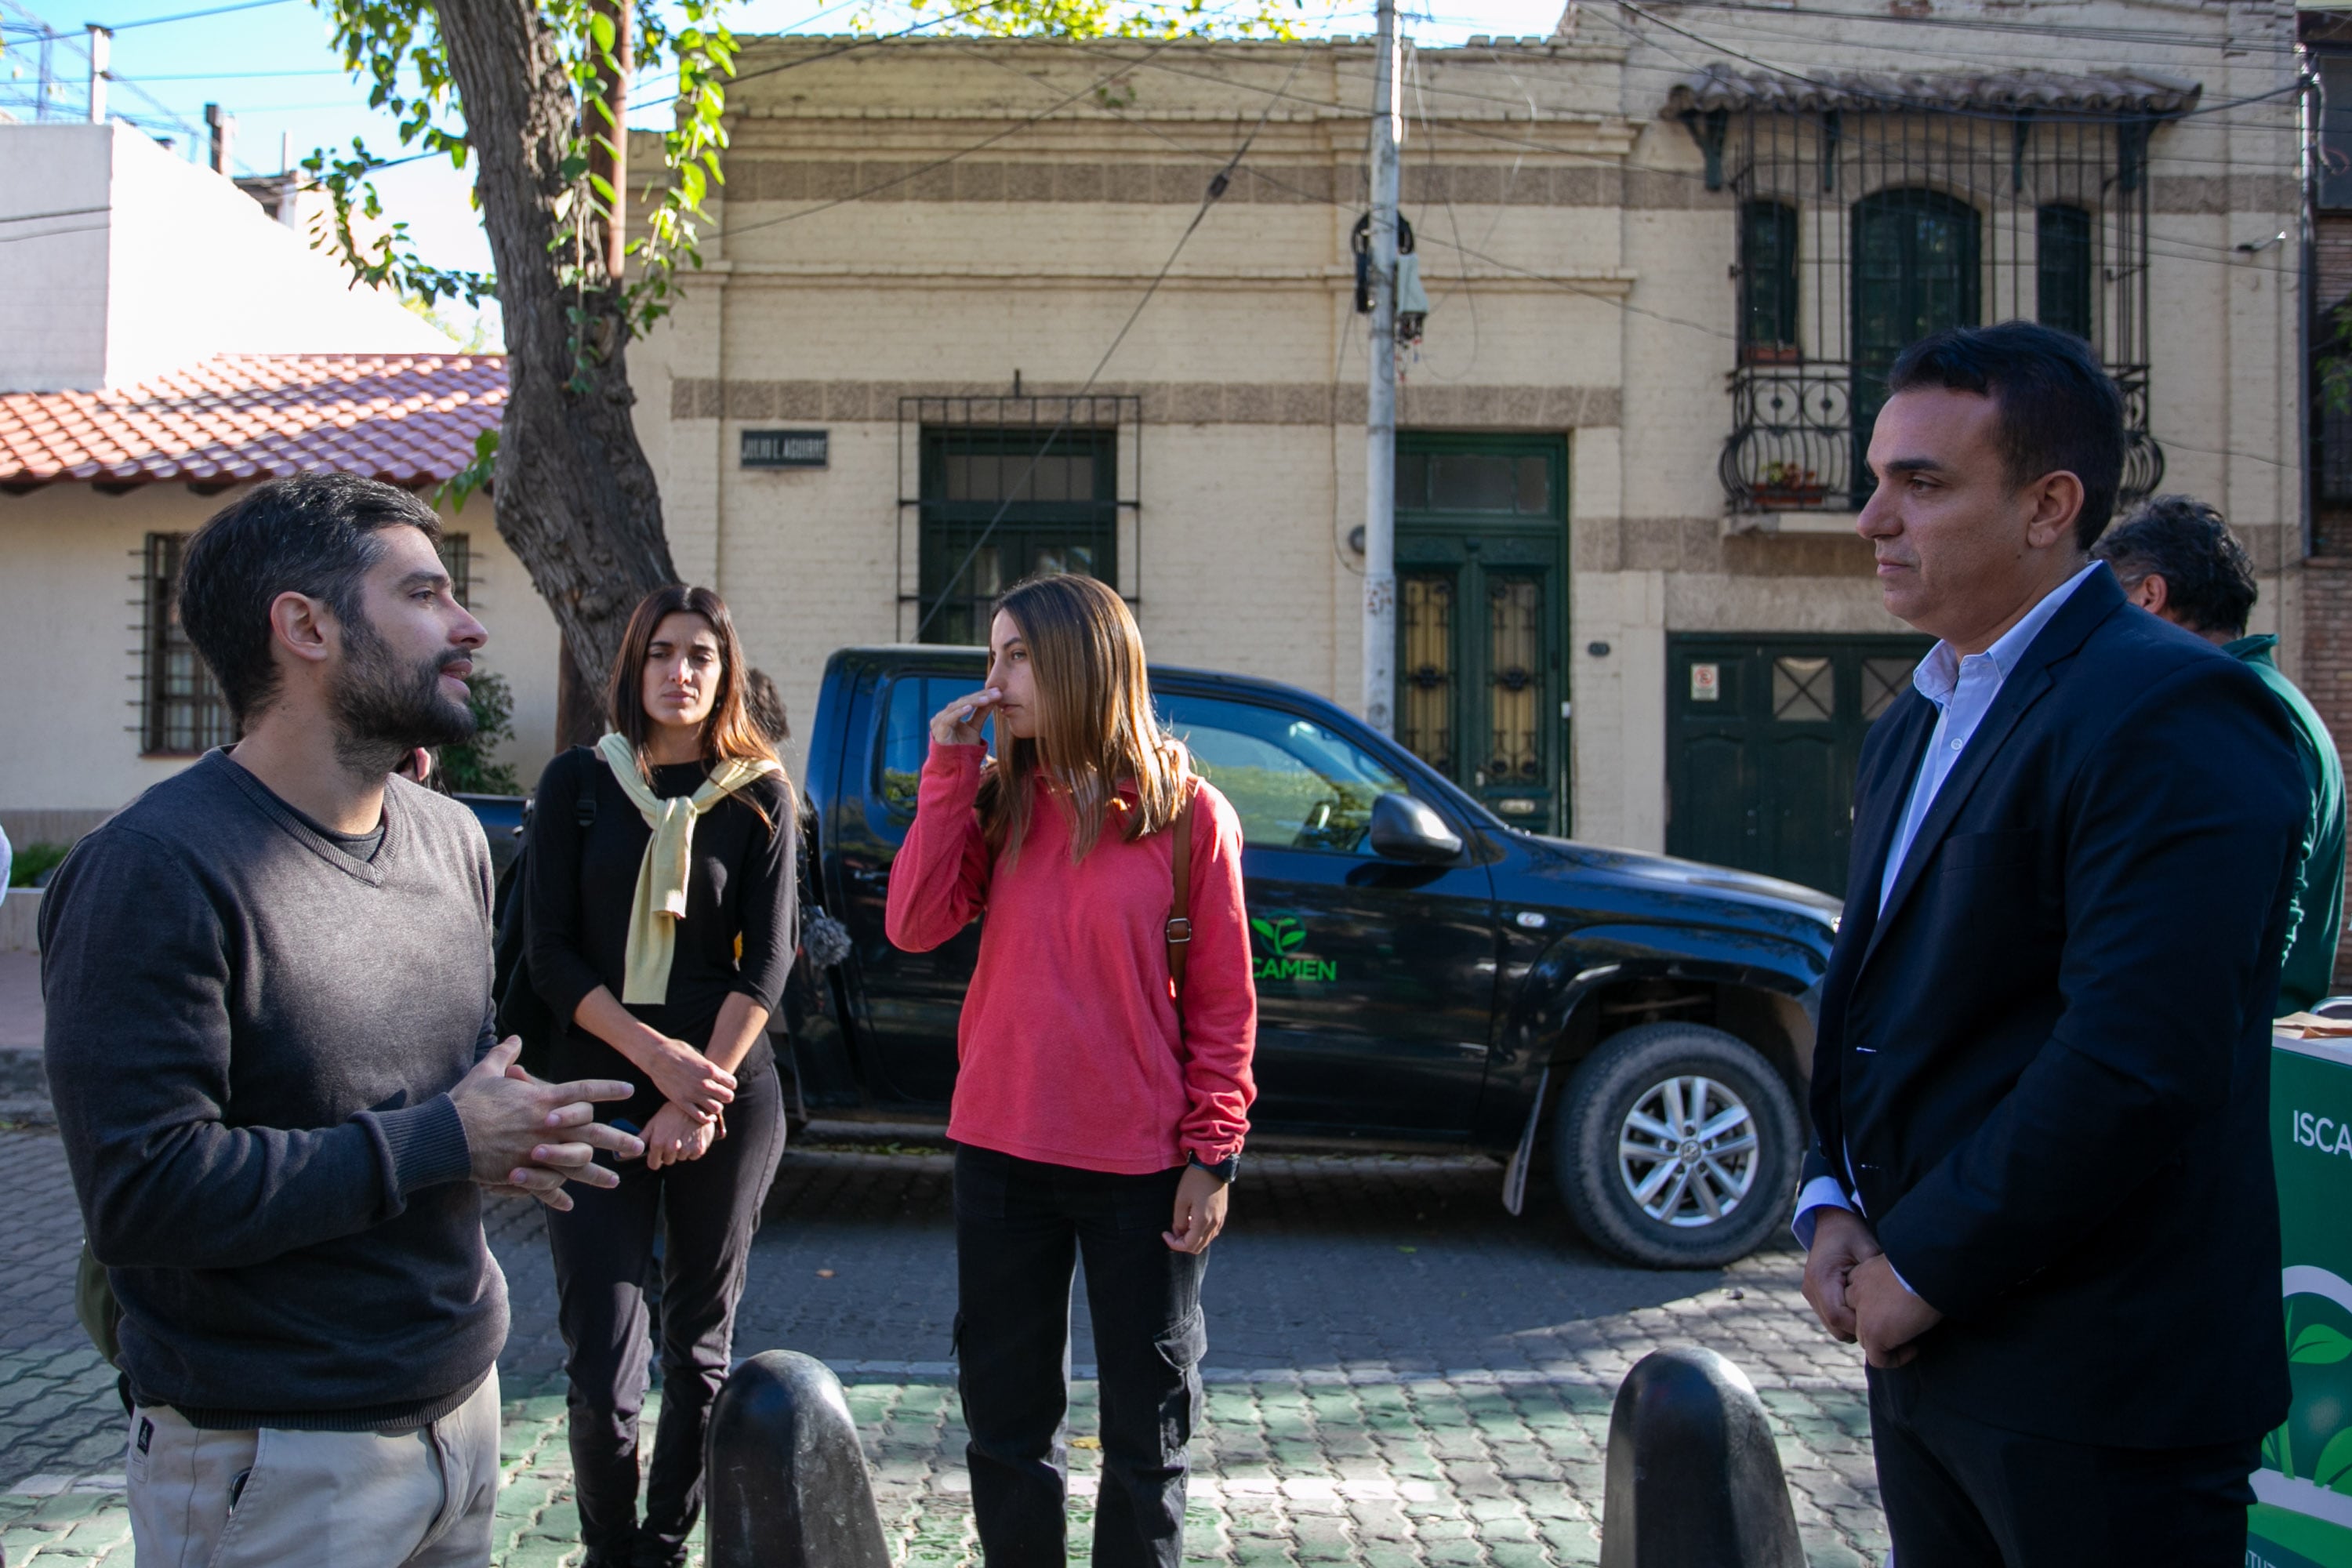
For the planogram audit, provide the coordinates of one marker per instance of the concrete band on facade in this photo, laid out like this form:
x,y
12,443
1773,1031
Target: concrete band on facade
x,y
1502,181
1553,408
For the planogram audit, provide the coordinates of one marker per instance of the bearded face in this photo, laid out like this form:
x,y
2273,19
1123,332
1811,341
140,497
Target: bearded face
x,y
386,705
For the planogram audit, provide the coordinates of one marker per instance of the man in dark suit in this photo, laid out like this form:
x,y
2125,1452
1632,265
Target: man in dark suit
x,y
2040,1191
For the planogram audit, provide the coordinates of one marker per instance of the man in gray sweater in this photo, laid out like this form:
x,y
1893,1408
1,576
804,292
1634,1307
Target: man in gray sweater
x,y
267,986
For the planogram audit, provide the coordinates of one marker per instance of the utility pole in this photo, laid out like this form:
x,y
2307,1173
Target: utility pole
x,y
608,131
223,125
1380,411
102,41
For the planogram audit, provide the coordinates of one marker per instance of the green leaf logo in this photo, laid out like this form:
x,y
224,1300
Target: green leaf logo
x,y
1281,935
2334,1471
2319,1345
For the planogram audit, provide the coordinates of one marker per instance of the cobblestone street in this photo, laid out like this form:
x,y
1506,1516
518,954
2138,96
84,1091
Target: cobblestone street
x,y
1399,1371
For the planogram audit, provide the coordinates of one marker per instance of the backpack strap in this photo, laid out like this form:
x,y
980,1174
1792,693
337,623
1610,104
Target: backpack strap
x,y
587,802
1180,913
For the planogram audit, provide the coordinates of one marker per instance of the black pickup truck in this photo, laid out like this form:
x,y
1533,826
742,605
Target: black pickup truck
x,y
1427,974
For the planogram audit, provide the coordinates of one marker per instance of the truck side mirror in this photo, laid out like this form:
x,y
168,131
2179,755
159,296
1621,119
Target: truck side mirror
x,y
1404,828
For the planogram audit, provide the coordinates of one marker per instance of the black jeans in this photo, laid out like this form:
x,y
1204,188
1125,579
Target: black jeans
x,y
603,1258
1959,1494
1021,1227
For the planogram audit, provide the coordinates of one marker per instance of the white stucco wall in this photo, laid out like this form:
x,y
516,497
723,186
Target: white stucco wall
x,y
69,589
151,263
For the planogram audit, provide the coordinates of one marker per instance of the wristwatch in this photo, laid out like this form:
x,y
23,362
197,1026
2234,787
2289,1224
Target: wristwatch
x,y
1225,1170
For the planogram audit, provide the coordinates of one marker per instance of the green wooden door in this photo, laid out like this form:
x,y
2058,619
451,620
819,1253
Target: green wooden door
x,y
1481,612
1916,269
1763,737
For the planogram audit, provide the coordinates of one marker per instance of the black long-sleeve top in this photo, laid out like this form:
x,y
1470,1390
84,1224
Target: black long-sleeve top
x,y
741,883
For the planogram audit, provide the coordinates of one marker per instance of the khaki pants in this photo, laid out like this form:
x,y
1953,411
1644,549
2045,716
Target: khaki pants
x,y
353,1499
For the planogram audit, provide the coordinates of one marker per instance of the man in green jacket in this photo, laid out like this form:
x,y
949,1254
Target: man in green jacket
x,y
2176,558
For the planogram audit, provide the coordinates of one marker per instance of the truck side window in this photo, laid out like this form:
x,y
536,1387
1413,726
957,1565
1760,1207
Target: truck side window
x,y
1294,784
907,735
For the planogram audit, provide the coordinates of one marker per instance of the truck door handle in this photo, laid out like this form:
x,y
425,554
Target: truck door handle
x,y
871,875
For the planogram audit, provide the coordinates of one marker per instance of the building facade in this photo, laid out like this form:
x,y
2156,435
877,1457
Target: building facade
x,y
973,310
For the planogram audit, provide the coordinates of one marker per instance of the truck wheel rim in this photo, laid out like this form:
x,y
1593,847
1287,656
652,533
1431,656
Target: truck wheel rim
x,y
1687,1151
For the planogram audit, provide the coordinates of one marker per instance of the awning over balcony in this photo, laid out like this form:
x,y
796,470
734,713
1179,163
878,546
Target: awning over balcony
x,y
2109,94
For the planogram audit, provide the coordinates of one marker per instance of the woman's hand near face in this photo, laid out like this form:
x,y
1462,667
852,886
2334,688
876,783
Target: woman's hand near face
x,y
1200,1215
957,724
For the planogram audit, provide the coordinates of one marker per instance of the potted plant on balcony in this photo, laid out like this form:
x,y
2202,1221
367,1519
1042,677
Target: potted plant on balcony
x,y
1785,485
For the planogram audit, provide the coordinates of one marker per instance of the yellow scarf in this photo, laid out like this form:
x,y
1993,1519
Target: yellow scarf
x,y
662,874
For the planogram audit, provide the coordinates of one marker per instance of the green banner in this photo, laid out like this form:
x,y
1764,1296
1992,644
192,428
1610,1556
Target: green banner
x,y
2303,1517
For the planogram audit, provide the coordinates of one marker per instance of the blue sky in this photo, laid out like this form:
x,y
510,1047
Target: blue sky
x,y
270,66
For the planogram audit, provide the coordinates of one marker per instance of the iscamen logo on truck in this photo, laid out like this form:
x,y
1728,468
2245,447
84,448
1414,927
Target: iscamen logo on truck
x,y
1279,939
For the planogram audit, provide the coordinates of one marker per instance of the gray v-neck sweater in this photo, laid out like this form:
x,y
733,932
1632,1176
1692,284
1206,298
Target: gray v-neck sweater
x,y
251,1038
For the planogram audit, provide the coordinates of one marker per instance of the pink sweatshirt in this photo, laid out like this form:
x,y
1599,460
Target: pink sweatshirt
x,y
1070,1049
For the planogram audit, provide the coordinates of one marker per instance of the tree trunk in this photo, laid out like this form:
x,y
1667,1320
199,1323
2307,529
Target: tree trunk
x,y
574,497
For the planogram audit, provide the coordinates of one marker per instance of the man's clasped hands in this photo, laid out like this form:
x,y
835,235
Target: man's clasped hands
x,y
1856,1294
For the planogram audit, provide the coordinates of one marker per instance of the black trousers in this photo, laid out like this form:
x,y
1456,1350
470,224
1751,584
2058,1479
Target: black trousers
x,y
1021,1227
1959,1494
604,1251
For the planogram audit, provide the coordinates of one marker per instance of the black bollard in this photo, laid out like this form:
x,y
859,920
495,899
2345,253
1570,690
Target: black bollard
x,y
1693,1479
787,1485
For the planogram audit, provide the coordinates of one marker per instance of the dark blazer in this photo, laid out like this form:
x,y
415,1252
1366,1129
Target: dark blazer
x,y
2049,1059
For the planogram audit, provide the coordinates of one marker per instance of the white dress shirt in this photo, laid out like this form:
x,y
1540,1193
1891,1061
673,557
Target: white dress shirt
x,y
1963,687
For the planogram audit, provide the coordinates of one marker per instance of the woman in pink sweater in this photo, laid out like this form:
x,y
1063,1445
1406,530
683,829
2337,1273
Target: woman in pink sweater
x,y
1097,1112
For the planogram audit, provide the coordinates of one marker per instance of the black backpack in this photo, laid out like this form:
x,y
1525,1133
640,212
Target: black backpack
x,y
522,1010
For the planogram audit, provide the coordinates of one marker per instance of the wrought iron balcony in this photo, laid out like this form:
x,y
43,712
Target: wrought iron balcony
x,y
1797,445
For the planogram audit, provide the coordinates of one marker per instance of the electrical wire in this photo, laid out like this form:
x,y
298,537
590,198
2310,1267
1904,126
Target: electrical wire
x,y
238,75
1597,160
61,212
1991,25
855,45
1611,161
1898,100
1217,186
1914,49
159,21
52,234
920,169
1477,254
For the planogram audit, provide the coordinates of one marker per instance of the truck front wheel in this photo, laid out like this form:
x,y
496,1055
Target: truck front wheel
x,y
1676,1146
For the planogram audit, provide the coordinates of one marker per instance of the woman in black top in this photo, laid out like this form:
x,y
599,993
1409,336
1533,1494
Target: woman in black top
x,y
663,929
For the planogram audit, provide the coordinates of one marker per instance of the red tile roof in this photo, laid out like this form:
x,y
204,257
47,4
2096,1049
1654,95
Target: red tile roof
x,y
407,419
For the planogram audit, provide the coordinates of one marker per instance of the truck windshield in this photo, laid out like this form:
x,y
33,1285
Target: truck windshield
x,y
1295,783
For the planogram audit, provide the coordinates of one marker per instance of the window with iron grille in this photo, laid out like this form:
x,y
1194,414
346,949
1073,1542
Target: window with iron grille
x,y
1006,488
182,710
1872,216
2331,429
1767,281
2061,245
457,560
